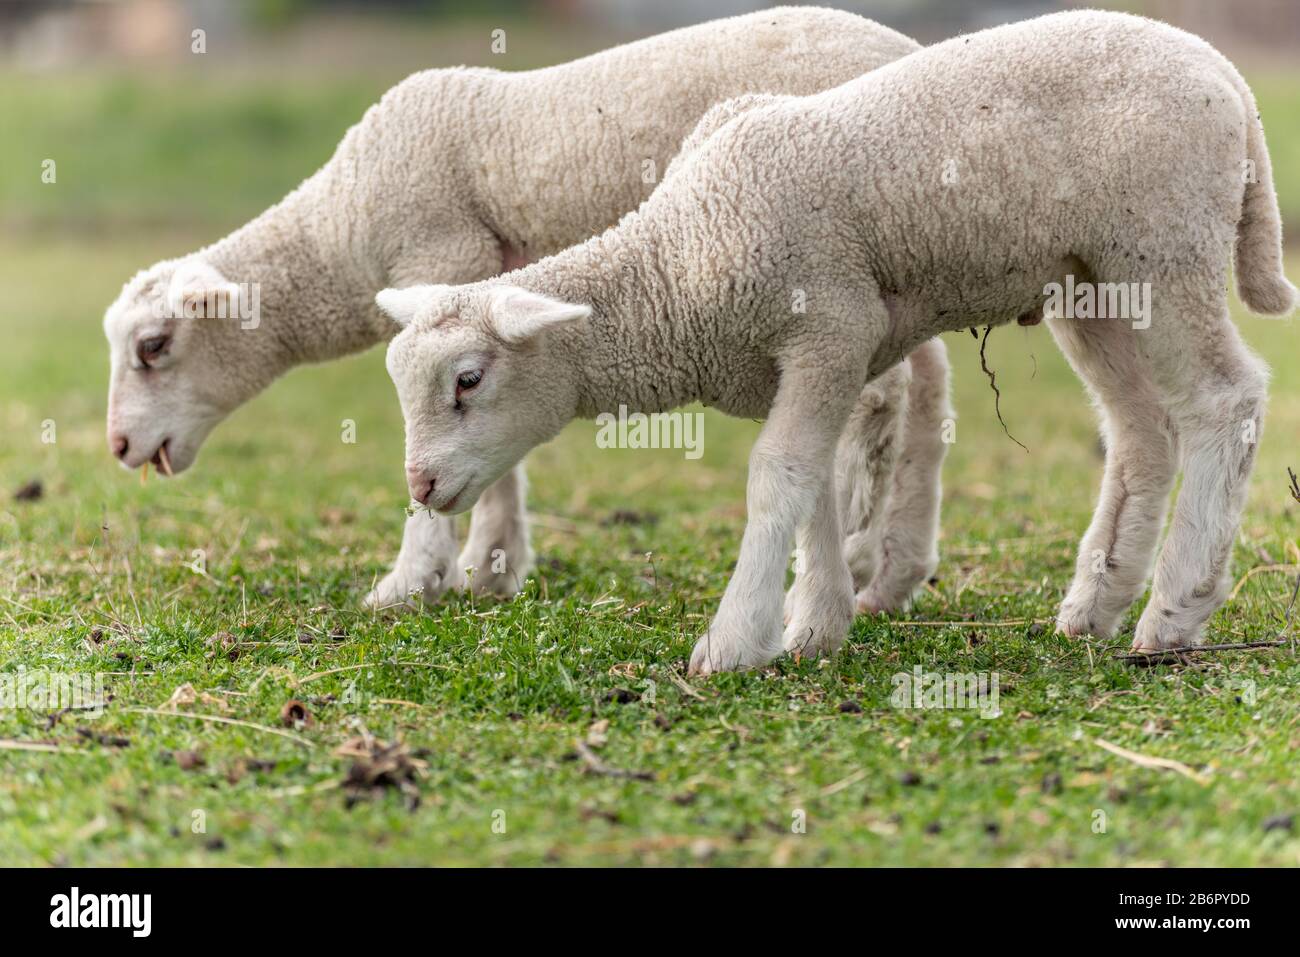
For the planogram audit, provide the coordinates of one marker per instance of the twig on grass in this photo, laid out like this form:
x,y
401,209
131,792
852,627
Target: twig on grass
x,y
1259,570
960,623
220,720
595,765
298,790
843,783
9,745
368,664
400,702
1146,761
1177,654
682,686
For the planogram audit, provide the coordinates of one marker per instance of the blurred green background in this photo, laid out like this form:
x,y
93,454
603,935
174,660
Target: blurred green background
x,y
148,135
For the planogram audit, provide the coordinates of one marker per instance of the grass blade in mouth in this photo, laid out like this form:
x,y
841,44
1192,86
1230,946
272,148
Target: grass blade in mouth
x,y
166,462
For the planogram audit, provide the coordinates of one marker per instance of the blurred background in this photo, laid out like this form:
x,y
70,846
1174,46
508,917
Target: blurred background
x,y
160,150
186,141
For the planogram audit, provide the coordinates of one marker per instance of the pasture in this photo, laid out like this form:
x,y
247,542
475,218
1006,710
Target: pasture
x,y
558,727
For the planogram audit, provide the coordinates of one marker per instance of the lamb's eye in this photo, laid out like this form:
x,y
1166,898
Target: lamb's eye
x,y
151,348
467,380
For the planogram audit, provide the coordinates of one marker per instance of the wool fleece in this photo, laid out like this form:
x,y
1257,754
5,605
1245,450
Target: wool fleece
x,y
456,175
961,186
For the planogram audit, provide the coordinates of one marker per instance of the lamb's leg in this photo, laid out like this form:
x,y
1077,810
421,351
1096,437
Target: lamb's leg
x,y
1216,395
425,566
497,548
821,610
905,534
865,462
864,468
888,475
790,467
1119,548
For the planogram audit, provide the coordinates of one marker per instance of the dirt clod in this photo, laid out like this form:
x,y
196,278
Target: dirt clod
x,y
107,740
1280,822
32,491
625,516
188,760
295,714
378,766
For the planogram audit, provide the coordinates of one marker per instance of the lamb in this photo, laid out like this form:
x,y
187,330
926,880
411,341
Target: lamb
x,y
901,205
454,176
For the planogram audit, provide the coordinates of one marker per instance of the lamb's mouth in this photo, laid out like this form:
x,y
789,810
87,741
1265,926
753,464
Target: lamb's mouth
x,y
448,505
162,459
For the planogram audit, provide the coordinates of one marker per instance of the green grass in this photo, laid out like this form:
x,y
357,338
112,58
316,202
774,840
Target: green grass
x,y
295,525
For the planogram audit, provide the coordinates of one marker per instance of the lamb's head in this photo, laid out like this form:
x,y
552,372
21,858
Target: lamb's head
x,y
183,354
479,383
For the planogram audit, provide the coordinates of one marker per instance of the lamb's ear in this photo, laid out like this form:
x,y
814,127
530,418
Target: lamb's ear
x,y
401,305
517,314
198,288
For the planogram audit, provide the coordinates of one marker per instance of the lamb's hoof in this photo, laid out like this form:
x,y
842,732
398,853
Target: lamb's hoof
x,y
892,589
402,589
1157,632
724,648
809,641
872,601
1077,620
819,632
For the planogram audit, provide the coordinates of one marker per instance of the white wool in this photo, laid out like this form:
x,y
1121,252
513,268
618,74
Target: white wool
x,y
449,178
947,190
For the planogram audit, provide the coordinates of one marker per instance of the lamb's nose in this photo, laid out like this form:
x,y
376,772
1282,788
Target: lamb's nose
x,y
420,482
119,444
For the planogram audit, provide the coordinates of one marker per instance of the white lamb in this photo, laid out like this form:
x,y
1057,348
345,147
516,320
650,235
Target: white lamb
x,y
947,190
455,176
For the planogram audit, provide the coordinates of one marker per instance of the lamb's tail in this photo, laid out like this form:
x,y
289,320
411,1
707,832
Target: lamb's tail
x,y
1260,282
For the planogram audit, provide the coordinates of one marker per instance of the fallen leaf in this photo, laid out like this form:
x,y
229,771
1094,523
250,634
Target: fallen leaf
x,y
598,733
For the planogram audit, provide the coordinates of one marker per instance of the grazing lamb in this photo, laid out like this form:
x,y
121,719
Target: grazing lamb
x,y
950,189
455,176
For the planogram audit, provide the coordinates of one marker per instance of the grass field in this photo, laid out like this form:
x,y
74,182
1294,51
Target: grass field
x,y
243,581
